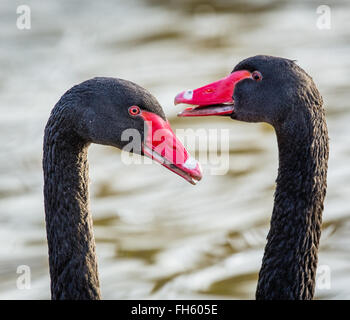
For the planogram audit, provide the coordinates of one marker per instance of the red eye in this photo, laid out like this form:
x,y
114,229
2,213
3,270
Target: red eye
x,y
134,110
257,76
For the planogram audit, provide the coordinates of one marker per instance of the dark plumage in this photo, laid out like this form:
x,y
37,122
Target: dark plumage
x,y
95,111
286,97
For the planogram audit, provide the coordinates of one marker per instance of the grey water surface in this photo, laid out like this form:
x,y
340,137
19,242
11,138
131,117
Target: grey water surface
x,y
157,235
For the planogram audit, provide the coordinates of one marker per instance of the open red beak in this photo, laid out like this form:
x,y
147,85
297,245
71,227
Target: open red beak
x,y
213,99
162,145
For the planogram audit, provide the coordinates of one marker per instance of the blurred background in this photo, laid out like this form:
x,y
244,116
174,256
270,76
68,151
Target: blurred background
x,y
158,237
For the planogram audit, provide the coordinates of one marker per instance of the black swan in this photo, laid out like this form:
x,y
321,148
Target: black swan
x,y
277,91
96,111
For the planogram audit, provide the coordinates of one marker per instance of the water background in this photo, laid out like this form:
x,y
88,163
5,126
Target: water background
x,y
159,237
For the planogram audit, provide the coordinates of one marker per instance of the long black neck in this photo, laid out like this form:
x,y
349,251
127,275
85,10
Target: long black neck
x,y
72,258
290,260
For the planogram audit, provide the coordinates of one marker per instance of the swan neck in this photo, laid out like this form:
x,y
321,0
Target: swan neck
x,y
290,260
71,244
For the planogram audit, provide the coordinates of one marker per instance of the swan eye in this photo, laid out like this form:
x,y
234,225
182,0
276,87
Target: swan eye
x,y
257,76
134,110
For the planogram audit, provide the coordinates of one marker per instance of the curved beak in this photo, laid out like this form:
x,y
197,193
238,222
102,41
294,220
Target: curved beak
x,y
213,99
162,145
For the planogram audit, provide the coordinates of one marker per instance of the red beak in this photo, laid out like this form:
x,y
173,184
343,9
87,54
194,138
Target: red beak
x,y
162,145
213,99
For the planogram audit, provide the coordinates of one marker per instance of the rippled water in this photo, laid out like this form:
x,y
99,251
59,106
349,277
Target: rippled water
x,y
158,236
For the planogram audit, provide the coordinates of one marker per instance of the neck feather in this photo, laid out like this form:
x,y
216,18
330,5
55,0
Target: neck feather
x,y
290,260
72,259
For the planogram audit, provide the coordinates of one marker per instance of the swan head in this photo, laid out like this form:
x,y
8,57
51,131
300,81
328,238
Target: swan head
x,y
121,114
259,89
